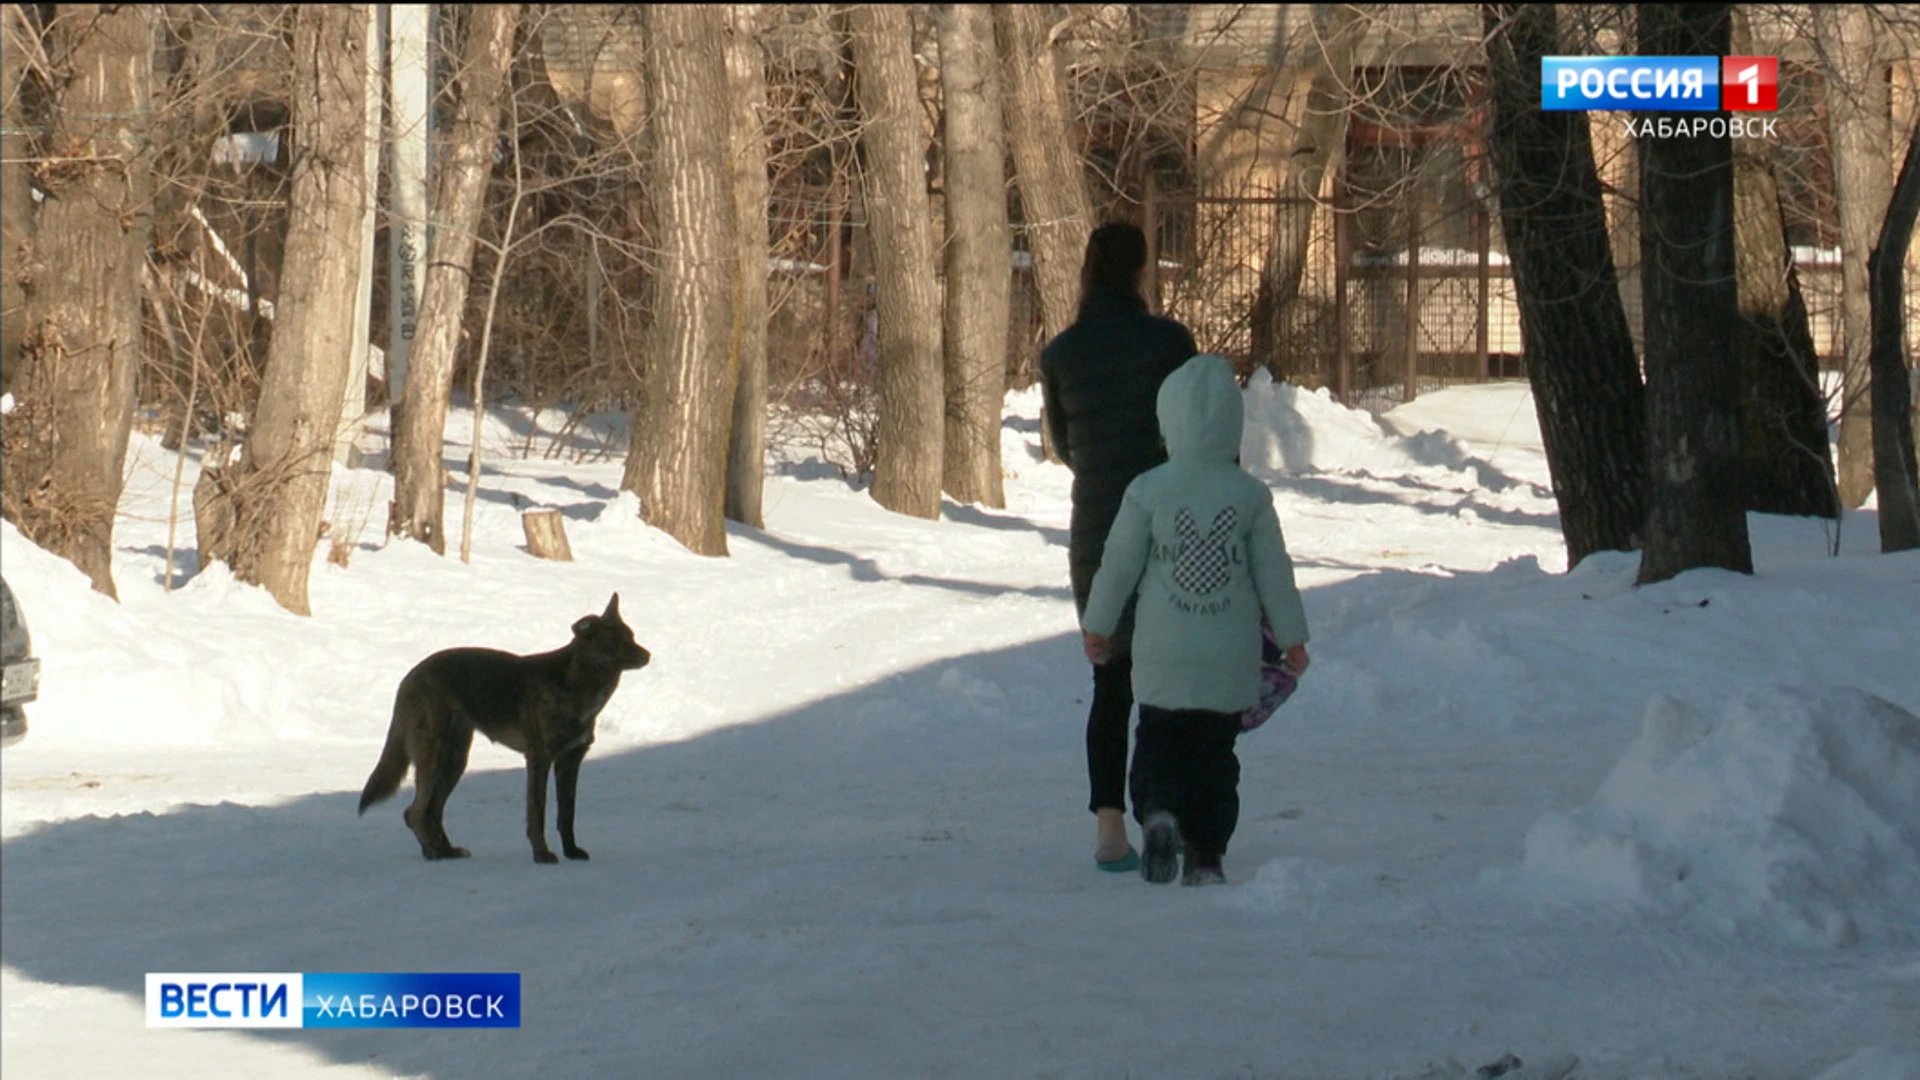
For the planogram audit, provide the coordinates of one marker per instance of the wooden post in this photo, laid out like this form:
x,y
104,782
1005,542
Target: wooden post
x,y
546,535
1483,239
1413,303
1342,321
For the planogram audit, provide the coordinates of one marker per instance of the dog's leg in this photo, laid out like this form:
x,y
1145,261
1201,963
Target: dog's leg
x,y
423,747
449,764
537,768
566,772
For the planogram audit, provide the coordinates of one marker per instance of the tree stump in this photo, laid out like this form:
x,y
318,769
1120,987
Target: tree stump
x,y
546,535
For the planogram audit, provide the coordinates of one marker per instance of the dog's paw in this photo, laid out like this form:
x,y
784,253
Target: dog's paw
x,y
544,857
577,853
450,853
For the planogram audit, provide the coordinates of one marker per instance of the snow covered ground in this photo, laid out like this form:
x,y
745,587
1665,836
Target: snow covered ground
x,y
839,829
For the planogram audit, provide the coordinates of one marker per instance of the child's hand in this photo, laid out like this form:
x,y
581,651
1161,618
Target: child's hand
x,y
1295,659
1098,649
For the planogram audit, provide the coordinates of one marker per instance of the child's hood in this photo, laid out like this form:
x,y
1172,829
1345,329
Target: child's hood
x,y
1200,411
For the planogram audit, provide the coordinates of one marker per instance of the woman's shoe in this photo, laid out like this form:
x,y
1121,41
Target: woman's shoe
x,y
1111,851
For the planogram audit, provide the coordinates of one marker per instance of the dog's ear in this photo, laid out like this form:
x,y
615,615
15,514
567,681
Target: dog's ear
x,y
613,608
583,624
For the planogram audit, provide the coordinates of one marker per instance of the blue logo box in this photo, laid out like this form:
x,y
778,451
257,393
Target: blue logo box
x,y
1641,83
332,1000
367,1000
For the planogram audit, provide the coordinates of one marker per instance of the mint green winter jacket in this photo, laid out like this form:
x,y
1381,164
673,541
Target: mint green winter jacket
x,y
1197,538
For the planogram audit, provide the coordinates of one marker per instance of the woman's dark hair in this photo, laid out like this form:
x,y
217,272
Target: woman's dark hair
x,y
1116,253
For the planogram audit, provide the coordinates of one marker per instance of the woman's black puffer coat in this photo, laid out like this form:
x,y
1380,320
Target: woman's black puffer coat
x,y
1100,379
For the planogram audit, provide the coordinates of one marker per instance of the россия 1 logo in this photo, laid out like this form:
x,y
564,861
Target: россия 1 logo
x,y
1660,83
333,999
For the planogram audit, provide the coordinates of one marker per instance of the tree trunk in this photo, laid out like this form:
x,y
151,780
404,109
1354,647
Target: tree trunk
x,y
1046,158
1695,515
1894,469
546,532
419,476
907,466
279,489
1783,425
1861,135
1319,133
678,461
1055,208
81,349
747,93
1579,352
979,254
16,200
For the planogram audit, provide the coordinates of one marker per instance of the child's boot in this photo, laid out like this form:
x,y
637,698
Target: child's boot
x,y
1203,868
1160,861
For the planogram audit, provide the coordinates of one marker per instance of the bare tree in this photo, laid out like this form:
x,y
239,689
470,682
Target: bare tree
x,y
1319,124
747,97
419,478
907,470
1894,468
1046,158
267,507
82,343
1783,429
1861,137
17,41
678,460
1056,211
1695,515
979,254
1579,351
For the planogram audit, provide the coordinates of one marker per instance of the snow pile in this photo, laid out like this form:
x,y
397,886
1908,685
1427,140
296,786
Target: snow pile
x,y
1290,429
1793,812
115,677
1301,887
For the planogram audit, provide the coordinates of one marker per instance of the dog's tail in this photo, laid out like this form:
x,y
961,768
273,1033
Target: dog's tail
x,y
392,767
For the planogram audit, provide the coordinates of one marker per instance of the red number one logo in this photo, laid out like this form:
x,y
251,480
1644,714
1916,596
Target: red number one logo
x,y
1750,83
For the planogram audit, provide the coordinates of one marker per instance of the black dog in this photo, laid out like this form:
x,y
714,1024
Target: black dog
x,y
543,706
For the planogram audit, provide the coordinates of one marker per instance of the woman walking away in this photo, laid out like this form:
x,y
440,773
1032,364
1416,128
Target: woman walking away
x,y
1198,546
1099,378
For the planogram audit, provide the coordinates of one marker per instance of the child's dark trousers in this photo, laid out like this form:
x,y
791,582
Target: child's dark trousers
x,y
1183,763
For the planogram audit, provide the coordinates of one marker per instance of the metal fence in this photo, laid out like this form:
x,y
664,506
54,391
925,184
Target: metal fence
x,y
1381,302
1370,301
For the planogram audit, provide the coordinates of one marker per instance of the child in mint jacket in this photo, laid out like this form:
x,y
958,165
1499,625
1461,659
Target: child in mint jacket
x,y
1197,539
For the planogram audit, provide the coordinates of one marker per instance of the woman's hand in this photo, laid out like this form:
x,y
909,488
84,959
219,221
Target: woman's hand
x,y
1295,659
1098,649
